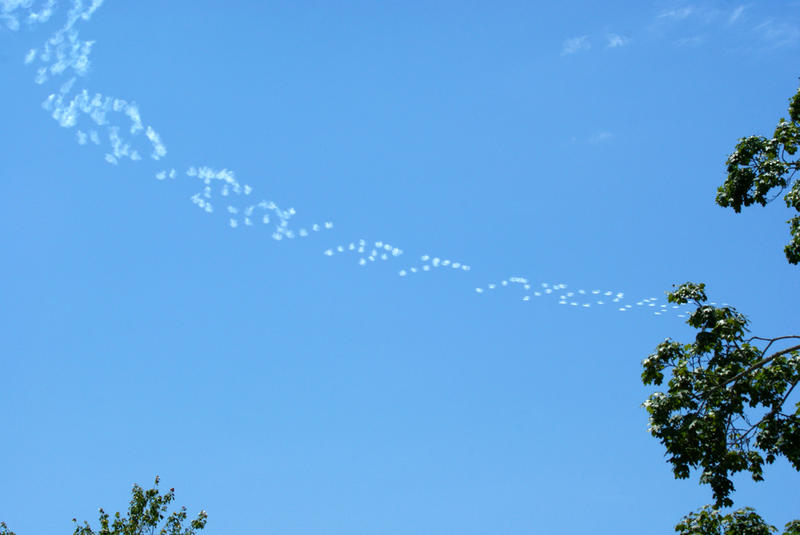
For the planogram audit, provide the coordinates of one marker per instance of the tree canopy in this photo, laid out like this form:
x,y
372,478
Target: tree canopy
x,y
147,515
745,521
761,168
727,406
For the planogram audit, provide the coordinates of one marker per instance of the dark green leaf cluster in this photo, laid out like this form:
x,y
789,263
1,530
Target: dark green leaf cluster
x,y
760,165
723,411
146,512
709,521
4,529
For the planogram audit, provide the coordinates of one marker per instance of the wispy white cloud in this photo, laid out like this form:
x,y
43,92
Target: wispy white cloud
x,y
704,22
575,45
736,14
778,34
677,14
694,40
614,40
600,137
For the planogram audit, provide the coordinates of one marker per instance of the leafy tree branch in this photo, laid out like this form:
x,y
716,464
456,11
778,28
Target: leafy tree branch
x,y
725,409
761,169
709,521
146,512
147,515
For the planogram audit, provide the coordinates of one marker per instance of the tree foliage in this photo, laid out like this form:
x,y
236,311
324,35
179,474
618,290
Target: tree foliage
x,y
709,521
146,516
761,168
725,407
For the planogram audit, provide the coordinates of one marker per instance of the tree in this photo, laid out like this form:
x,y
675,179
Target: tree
x,y
146,512
727,405
724,411
759,166
745,521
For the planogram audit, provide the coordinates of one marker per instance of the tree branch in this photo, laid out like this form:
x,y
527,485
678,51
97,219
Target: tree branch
x,y
783,401
761,363
770,340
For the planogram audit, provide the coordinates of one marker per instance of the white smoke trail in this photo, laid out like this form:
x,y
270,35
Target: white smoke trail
x,y
64,52
223,183
11,10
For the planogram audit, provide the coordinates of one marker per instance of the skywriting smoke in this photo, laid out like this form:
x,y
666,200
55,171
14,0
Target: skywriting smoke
x,y
116,127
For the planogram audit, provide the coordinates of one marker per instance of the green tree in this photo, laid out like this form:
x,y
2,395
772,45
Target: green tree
x,y
745,521
726,408
761,168
146,512
147,515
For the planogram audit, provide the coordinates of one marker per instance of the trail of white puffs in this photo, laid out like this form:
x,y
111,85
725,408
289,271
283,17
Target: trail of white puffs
x,y
116,125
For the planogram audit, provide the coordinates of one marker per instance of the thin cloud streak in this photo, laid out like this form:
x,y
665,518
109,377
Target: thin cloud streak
x,y
778,34
615,40
676,14
600,137
704,23
686,42
737,13
575,45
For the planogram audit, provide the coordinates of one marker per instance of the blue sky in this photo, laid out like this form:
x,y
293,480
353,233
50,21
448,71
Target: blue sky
x,y
289,391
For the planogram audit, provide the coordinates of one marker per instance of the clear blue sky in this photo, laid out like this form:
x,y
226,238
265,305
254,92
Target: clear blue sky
x,y
291,392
